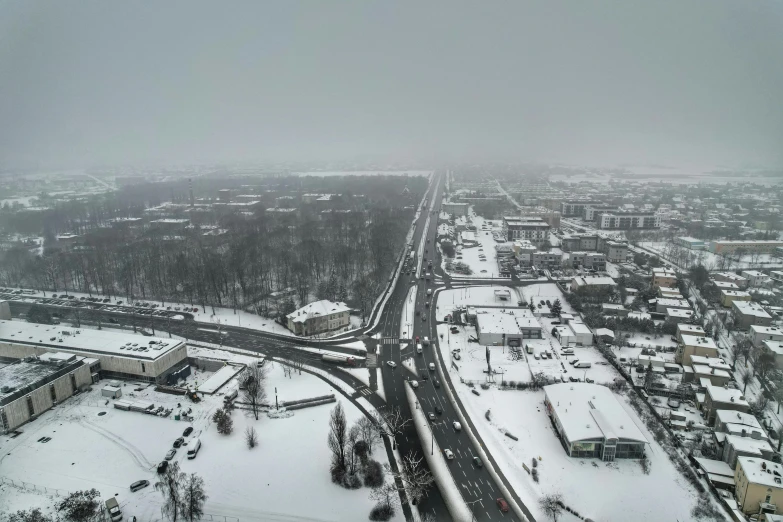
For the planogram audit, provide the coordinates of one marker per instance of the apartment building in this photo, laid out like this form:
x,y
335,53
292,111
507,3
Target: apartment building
x,y
749,246
628,220
748,313
533,229
588,260
664,277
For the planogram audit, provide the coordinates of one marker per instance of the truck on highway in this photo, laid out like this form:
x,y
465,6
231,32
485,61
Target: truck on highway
x,y
339,359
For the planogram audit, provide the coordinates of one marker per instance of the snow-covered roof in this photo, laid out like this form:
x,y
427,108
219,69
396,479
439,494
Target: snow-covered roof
x,y
766,330
22,374
505,322
98,342
775,347
726,395
673,303
750,308
688,329
604,332
716,467
695,340
703,369
590,411
737,417
579,328
320,308
594,281
749,444
679,313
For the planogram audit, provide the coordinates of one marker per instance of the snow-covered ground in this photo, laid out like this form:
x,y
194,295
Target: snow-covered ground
x,y
221,316
323,174
472,256
602,491
94,445
713,262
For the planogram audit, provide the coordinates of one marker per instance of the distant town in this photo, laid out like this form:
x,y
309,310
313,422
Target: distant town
x,y
463,343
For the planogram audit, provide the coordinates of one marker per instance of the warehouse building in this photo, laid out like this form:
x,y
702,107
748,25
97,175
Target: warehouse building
x,y
591,423
30,386
506,328
121,355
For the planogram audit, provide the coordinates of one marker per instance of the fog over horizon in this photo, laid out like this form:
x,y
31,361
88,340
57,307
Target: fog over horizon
x,y
608,82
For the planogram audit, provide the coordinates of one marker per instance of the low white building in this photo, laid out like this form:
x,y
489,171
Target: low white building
x,y
678,315
121,355
582,334
592,283
661,304
756,278
506,328
759,334
591,423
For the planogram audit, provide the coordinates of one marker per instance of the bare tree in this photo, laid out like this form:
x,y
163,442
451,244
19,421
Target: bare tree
x,y
734,352
193,498
415,478
367,432
387,498
338,438
170,485
391,422
251,437
354,437
254,386
551,505
297,363
746,379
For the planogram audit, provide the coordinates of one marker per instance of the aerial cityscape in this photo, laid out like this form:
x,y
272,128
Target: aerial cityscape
x,y
312,263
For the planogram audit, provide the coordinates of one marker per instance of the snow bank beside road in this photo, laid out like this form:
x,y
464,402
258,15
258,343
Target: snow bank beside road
x,y
437,462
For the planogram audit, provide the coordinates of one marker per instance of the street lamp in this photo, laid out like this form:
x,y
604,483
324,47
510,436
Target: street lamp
x,y
432,436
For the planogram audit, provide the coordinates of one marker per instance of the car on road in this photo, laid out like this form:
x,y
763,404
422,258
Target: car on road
x,y
431,416
424,375
448,453
457,356
391,364
414,384
424,318
502,505
438,410
162,467
436,382
457,426
139,484
170,454
477,462
187,431
179,442
432,367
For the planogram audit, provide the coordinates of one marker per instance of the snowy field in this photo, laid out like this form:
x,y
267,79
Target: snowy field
x,y
602,491
713,262
112,450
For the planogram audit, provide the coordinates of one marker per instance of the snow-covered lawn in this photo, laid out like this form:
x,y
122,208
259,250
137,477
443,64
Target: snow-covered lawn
x,y
112,450
448,300
471,256
602,491
713,261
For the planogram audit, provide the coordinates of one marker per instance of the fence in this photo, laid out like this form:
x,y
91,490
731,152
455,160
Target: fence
x,y
28,486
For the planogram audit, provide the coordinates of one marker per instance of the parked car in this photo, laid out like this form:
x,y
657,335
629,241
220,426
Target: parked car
x,y
187,431
170,454
139,484
179,442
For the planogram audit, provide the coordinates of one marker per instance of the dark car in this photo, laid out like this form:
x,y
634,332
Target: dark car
x,y
163,466
438,410
436,382
187,431
477,462
179,442
139,484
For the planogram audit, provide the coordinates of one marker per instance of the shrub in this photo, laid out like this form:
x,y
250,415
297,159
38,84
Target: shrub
x,y
373,474
352,481
381,512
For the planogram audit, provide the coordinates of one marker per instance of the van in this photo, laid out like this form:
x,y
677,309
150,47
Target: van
x,y
418,348
432,367
230,396
583,365
426,341
114,509
193,447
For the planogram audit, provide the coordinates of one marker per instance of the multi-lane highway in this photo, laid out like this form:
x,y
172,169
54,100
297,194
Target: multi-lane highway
x,y
475,483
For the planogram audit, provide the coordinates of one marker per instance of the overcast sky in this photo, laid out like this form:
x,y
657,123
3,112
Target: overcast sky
x,y
102,82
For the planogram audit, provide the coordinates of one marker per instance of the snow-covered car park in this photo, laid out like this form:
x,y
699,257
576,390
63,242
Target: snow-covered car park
x,y
87,443
517,430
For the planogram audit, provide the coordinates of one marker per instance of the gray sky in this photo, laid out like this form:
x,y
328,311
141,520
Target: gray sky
x,y
91,82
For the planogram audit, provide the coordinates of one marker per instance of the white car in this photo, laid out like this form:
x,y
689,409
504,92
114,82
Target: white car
x,y
457,426
448,453
414,384
391,364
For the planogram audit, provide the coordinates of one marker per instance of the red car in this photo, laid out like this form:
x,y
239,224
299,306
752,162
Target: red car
x,y
503,505
417,339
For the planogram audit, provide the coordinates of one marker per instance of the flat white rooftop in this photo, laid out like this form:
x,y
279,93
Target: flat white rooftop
x,y
751,309
97,342
697,340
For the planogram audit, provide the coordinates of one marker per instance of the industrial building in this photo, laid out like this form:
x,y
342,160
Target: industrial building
x,y
591,423
121,355
505,328
30,386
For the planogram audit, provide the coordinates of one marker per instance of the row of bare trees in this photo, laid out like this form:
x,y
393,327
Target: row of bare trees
x,y
346,258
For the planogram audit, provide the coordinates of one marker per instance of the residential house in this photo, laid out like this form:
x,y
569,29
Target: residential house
x,y
759,334
729,296
731,277
664,277
691,345
319,317
759,488
719,398
748,313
